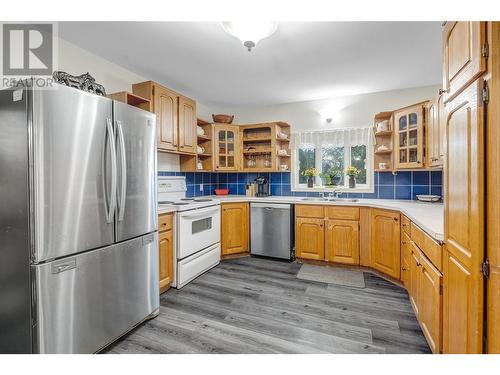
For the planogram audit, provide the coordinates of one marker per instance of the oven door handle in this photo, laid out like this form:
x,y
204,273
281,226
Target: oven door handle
x,y
200,213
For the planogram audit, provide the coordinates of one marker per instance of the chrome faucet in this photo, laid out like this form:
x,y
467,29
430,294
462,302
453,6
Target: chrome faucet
x,y
335,194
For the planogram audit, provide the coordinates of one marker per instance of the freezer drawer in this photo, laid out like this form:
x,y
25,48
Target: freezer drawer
x,y
271,230
86,301
191,267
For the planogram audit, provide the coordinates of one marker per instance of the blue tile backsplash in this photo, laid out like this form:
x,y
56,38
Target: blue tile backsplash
x,y
403,185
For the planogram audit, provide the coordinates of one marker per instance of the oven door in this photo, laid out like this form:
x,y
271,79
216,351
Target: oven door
x,y
197,230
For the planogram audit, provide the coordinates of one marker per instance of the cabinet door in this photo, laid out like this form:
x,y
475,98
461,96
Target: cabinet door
x,y
234,228
433,148
342,241
226,148
414,276
430,304
463,59
405,259
385,242
309,238
464,223
409,140
187,125
165,107
166,253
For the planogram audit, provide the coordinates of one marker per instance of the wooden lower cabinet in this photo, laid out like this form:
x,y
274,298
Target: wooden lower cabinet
x,y
413,282
309,238
234,228
430,303
385,242
166,251
342,241
405,259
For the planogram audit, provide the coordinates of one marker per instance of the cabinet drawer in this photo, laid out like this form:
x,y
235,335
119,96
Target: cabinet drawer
x,y
309,211
427,245
165,222
405,224
342,213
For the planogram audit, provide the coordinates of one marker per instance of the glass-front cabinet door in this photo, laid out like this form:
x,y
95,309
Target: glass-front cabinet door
x,y
409,139
225,147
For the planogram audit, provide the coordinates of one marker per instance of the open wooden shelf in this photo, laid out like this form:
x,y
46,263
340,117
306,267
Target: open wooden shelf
x,y
386,133
383,152
190,163
131,99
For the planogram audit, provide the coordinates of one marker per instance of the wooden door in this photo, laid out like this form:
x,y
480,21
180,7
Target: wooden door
x,y
414,275
405,259
165,107
430,304
226,147
385,242
342,241
464,59
166,254
234,228
309,238
187,125
409,139
433,134
464,223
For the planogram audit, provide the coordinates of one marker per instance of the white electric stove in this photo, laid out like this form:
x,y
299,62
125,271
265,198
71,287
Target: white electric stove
x,y
197,229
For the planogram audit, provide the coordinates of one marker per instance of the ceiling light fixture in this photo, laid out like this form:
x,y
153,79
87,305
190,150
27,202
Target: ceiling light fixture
x,y
250,32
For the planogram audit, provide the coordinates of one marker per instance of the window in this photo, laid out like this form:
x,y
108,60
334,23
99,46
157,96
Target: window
x,y
331,152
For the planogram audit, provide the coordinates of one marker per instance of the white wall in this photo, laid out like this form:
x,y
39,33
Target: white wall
x,y
347,111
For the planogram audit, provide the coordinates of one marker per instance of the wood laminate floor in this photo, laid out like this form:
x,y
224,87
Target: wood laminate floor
x,y
255,305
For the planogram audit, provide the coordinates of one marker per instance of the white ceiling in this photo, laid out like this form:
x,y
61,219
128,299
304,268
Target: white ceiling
x,y
301,61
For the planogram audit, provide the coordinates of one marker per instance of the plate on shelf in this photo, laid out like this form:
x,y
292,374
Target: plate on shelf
x,y
428,198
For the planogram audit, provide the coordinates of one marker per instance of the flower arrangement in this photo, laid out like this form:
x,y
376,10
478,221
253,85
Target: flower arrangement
x,y
352,172
331,177
311,172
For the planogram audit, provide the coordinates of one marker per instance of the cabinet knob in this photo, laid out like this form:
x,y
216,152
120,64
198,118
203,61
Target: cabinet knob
x,y
396,219
442,91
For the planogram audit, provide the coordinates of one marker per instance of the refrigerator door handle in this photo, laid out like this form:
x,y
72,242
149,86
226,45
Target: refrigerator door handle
x,y
123,162
110,140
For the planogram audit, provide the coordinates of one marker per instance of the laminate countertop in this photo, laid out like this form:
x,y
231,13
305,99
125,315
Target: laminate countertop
x,y
428,216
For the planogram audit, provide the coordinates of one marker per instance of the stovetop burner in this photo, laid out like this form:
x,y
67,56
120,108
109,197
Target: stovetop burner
x,y
165,202
203,199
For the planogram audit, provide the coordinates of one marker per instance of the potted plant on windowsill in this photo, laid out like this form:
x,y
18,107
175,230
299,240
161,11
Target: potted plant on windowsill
x,y
310,174
332,177
352,173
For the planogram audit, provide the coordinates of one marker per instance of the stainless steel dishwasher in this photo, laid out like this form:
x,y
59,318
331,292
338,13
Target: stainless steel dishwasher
x,y
271,230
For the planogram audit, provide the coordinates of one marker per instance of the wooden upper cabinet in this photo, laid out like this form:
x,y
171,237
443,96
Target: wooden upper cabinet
x,y
234,228
226,147
309,238
464,223
385,242
175,117
187,125
434,147
409,137
464,55
165,106
342,241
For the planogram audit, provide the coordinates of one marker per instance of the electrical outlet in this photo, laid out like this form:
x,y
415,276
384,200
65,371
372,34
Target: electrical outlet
x,y
201,187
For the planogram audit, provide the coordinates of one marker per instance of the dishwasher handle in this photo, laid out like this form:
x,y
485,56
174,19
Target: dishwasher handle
x,y
270,206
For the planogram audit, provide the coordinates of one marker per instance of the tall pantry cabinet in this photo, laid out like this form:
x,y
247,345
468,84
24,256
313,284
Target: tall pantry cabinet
x,y
463,84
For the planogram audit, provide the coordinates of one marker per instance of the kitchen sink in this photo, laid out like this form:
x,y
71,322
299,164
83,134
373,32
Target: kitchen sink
x,y
315,199
319,199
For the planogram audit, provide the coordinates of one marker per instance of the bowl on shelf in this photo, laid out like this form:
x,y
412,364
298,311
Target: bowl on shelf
x,y
221,191
223,119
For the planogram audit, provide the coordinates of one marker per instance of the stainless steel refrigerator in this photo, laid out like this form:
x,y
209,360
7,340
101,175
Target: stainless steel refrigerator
x,y
78,220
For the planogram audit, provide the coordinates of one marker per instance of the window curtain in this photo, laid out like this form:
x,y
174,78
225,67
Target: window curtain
x,y
337,138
